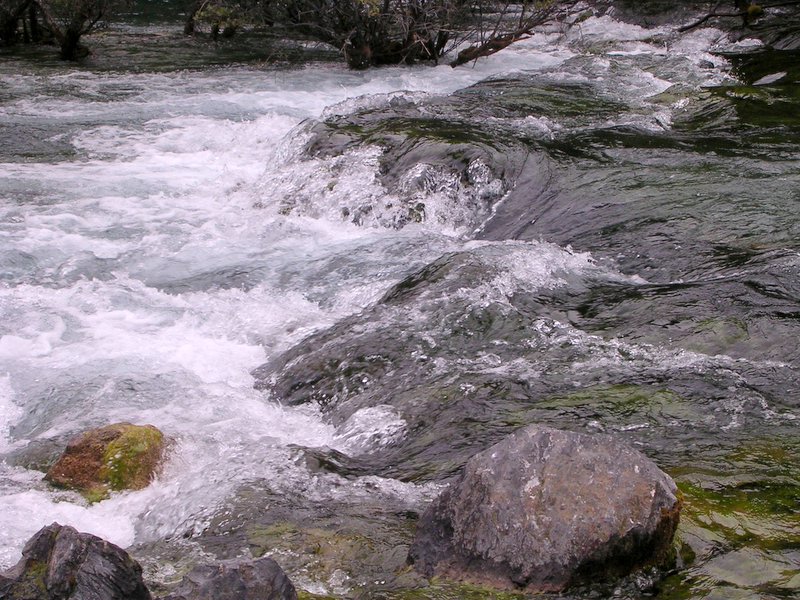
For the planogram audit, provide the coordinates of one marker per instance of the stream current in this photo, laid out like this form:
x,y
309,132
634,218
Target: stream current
x,y
330,288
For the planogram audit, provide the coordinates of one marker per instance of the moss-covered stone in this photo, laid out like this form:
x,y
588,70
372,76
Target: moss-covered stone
x,y
116,457
131,459
31,583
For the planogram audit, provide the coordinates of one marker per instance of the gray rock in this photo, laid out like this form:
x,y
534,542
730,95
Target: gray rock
x,y
545,509
260,579
59,563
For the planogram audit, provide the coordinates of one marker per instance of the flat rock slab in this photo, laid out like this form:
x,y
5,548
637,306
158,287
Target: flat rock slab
x,y
545,509
60,563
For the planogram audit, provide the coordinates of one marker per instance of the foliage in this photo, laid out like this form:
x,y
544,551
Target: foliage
x,y
374,32
64,21
218,15
368,32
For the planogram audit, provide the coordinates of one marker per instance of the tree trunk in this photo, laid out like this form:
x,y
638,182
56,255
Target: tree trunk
x,y
33,24
10,16
70,45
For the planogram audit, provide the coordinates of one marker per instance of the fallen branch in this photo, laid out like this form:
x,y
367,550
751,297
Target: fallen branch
x,y
495,41
489,47
709,16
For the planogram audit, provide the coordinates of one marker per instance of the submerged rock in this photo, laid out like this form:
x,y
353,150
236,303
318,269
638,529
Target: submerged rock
x,y
261,579
59,562
111,458
38,455
545,509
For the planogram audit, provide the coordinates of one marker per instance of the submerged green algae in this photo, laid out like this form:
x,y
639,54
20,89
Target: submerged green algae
x,y
625,405
740,526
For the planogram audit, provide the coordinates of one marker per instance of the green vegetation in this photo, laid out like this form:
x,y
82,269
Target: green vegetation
x,y
367,32
130,460
60,22
32,582
740,527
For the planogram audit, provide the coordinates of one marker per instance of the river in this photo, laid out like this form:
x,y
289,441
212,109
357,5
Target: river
x,y
330,288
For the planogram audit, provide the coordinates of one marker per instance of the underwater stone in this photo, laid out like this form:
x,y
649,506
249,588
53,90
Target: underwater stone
x,y
260,579
116,457
545,509
59,562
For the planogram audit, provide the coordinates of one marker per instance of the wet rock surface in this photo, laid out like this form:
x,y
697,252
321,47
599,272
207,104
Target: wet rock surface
x,y
61,563
545,509
116,457
661,337
260,579
481,342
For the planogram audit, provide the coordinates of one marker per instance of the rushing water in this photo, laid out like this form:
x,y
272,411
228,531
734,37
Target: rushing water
x,y
596,231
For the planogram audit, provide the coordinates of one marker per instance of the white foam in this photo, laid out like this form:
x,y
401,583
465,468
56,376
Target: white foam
x,y
9,412
607,29
24,513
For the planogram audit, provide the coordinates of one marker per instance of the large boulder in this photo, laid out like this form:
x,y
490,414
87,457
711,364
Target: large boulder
x,y
545,509
116,457
260,579
59,563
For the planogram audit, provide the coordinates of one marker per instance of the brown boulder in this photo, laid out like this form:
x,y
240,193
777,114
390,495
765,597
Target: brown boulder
x,y
116,457
546,509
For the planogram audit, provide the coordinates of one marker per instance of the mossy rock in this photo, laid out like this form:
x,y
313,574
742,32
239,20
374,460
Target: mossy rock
x,y
113,458
30,583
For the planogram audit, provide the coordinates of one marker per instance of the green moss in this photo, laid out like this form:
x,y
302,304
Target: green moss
x,y
760,513
304,595
715,336
115,457
96,494
440,590
32,584
752,502
130,460
626,405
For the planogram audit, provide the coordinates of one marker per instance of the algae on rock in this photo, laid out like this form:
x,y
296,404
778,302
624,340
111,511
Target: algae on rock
x,y
113,458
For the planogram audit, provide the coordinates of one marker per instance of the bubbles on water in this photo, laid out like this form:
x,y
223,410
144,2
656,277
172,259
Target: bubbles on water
x,y
348,188
607,29
28,506
374,101
9,412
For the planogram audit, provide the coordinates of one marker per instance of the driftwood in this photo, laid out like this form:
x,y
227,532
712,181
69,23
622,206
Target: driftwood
x,y
747,11
489,47
501,37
